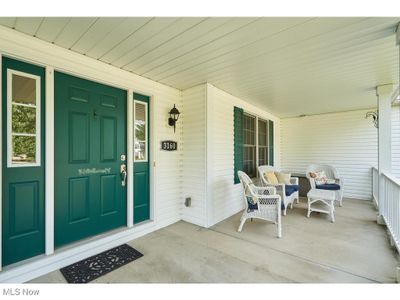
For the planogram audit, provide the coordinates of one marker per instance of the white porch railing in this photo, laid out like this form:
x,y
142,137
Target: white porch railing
x,y
375,186
388,203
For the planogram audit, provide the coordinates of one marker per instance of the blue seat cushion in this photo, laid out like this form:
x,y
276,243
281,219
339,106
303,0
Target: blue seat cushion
x,y
250,205
331,186
290,189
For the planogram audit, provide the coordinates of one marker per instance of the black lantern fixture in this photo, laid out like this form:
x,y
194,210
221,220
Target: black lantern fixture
x,y
374,116
173,116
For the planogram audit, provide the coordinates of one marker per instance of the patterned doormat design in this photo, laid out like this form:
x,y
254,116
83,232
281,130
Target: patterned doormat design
x,y
98,265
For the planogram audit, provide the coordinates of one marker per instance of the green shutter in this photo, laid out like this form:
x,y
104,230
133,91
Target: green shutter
x,y
238,141
271,142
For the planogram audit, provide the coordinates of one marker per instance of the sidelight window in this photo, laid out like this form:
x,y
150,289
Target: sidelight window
x,y
140,130
23,124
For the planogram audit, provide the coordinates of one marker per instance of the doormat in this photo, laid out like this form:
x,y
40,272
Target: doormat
x,y
98,265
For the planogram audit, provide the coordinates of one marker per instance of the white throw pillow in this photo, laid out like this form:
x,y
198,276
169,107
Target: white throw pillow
x,y
283,178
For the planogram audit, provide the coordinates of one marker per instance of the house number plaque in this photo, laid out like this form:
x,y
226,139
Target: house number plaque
x,y
169,145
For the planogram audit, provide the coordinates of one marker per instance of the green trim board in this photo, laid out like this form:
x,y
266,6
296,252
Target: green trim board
x,y
23,205
90,141
141,169
238,142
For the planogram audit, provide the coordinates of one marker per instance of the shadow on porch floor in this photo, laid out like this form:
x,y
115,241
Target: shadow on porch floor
x,y
354,249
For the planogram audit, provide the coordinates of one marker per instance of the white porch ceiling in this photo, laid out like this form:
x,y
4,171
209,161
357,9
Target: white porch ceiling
x,y
289,66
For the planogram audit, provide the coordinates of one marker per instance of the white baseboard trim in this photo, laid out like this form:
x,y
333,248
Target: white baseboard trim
x,y
38,266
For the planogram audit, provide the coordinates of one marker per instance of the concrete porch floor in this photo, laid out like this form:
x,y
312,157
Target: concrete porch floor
x,y
353,250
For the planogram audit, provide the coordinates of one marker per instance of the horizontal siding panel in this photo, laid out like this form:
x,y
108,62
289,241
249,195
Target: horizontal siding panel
x,y
345,140
194,159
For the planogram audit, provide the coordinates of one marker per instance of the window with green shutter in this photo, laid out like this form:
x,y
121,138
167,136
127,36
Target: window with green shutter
x,y
238,141
249,153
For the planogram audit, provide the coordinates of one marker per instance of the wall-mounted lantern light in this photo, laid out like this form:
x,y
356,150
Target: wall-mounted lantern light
x,y
173,116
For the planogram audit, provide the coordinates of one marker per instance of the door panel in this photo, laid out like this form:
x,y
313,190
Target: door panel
x,y
141,178
90,198
108,135
79,137
23,90
78,199
24,208
108,194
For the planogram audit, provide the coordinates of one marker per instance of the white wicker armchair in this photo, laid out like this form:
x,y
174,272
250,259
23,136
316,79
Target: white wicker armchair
x,y
287,198
331,173
261,203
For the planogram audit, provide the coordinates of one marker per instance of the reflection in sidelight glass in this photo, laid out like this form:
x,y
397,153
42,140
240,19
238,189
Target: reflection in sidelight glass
x,y
24,117
140,147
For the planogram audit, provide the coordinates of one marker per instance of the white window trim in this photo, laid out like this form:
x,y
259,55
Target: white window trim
x,y
37,163
147,130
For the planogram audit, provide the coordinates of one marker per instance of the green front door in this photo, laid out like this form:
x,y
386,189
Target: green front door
x,y
90,149
141,176
23,90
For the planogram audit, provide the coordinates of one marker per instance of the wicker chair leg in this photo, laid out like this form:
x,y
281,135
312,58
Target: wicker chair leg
x,y
241,224
279,230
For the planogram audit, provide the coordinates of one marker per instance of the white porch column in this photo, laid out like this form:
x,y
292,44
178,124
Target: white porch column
x,y
384,95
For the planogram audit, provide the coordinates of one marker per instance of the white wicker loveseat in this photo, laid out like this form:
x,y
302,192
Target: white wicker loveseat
x,y
331,173
288,193
260,203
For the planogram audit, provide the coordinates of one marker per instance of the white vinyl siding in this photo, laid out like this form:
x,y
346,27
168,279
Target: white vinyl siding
x,y
194,155
396,140
345,140
225,197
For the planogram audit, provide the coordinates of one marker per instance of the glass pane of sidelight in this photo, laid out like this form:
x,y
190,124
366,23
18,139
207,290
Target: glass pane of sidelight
x,y
23,90
140,147
23,119
23,109
23,149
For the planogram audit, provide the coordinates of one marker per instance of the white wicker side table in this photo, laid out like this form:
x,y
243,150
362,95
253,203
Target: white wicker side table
x,y
325,197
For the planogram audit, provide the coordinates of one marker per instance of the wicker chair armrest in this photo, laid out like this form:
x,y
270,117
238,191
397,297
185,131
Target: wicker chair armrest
x,y
294,180
269,200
